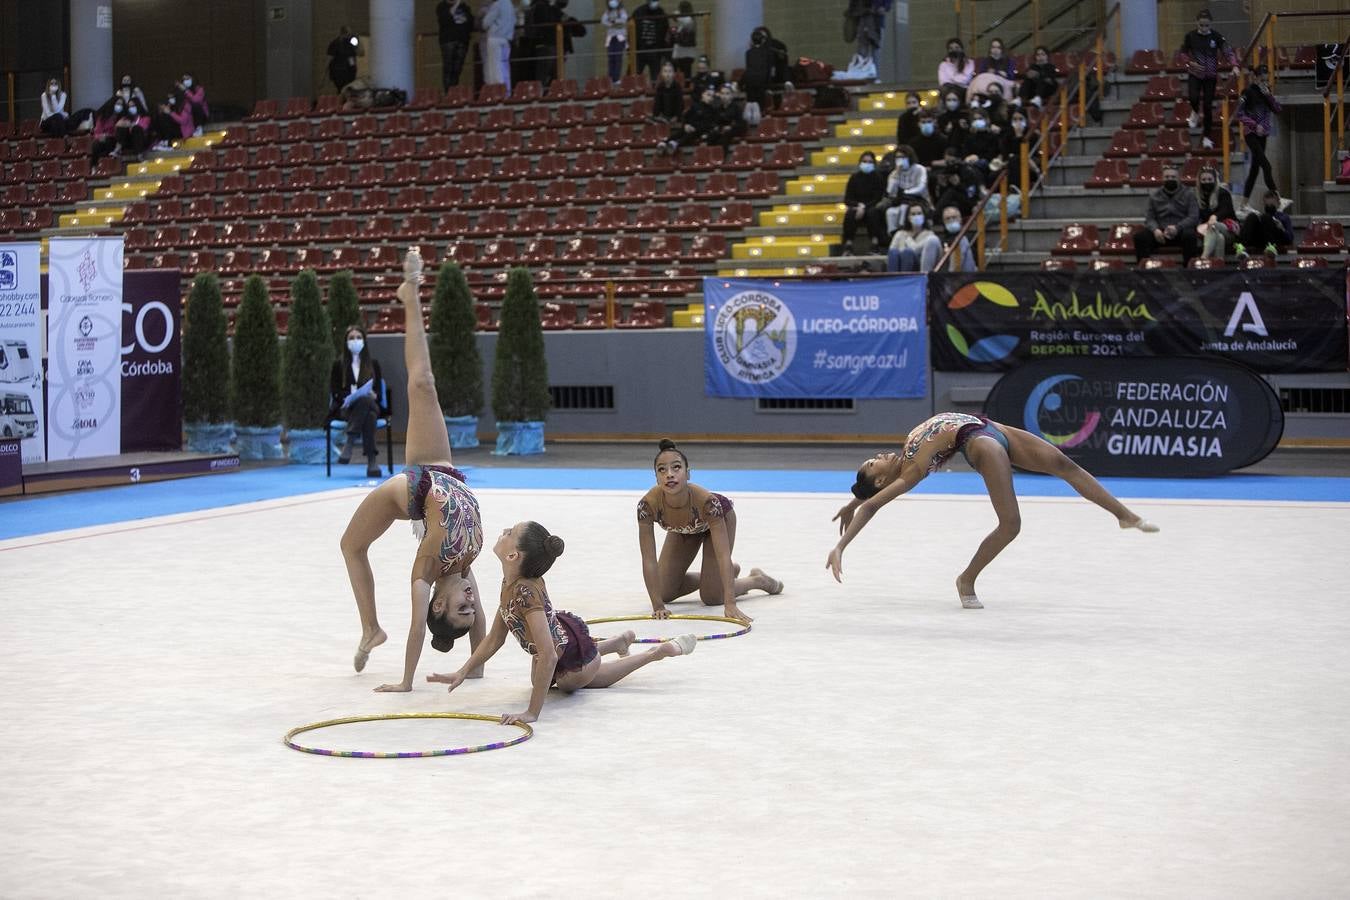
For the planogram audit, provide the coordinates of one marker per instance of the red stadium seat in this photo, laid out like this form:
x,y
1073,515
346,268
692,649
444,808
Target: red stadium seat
x,y
1206,262
1106,264
499,120
1260,261
464,253
556,316
663,248
459,95
526,92
1323,237
679,186
236,206
1119,240
236,182
1158,262
1310,262
430,121
570,219
337,176
477,169
605,112
1162,87
1179,115
550,165
263,109
599,190
1170,142
465,121
559,192
745,156
596,88
708,247
1109,173
581,250
735,214
410,198
484,196
1077,239
402,147
651,217
474,144
721,185
445,196
611,218
568,114
1146,62
515,168
787,156
1058,264
692,215
492,221
592,162
1148,115
645,314
1149,174
521,193
540,251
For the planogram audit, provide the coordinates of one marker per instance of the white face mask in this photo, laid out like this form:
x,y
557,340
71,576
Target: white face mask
x,y
613,4
132,111
916,222
953,227
55,88
953,103
187,82
355,345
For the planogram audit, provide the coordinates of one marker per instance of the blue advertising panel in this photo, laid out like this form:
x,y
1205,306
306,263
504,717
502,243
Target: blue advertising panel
x,y
862,338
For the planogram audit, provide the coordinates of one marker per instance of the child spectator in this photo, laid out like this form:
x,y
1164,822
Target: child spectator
x,y
1271,228
1256,110
1203,51
1040,82
54,112
699,123
615,20
668,106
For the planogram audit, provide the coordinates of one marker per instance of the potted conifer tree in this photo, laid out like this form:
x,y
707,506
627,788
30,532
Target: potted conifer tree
x,y
206,369
455,360
520,396
344,308
306,365
255,390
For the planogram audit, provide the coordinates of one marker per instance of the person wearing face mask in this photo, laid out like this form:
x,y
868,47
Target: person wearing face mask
x,y
499,26
1256,110
998,70
981,144
759,68
172,121
668,105
1218,221
356,386
955,71
194,96
906,186
615,20
684,39
130,91
731,124
1170,221
539,42
958,185
54,112
704,78
963,258
454,31
915,247
1204,51
1040,82
105,130
1270,228
1012,138
930,144
700,123
907,124
133,130
865,189
652,27
951,115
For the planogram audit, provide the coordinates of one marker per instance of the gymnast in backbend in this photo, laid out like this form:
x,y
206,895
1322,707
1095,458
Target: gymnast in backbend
x,y
431,493
992,449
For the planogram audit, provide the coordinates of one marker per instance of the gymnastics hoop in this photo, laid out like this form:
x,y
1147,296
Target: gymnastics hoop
x,y
701,637
362,754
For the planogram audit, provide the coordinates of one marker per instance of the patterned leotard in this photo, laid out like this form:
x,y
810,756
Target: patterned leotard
x,y
571,638
443,488
937,428
652,508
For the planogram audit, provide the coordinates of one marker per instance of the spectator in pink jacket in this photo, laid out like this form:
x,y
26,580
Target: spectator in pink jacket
x,y
173,121
955,70
195,95
105,129
133,130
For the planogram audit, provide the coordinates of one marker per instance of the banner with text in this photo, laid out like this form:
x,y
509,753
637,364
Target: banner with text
x,y
1172,417
863,338
1274,320
84,347
21,409
152,385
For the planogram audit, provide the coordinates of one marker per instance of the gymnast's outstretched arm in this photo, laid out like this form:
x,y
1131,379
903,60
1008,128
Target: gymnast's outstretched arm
x,y
858,519
484,651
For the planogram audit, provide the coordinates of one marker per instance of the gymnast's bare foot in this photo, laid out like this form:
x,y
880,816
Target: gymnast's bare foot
x,y
368,643
625,641
965,589
767,583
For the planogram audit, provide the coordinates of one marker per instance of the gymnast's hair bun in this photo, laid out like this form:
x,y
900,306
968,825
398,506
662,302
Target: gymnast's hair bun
x,y
666,444
442,644
553,546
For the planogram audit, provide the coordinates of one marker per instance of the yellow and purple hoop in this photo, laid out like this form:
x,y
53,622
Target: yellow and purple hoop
x,y
361,754
744,626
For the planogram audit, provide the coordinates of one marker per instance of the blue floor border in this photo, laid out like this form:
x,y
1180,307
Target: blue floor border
x,y
104,506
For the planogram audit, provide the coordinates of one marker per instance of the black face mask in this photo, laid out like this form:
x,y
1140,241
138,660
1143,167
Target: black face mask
x,y
1206,187
1270,210
1171,185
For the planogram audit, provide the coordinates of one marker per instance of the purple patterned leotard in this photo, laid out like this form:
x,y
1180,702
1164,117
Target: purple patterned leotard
x,y
443,488
571,638
704,507
964,426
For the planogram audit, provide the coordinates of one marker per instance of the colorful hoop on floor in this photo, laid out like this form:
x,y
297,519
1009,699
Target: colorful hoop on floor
x,y
361,754
702,637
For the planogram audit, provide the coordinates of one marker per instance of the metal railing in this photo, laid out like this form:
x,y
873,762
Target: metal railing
x,y
426,61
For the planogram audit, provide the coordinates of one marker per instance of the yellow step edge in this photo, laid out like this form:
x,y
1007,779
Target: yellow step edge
x,y
848,154
160,166
866,128
127,191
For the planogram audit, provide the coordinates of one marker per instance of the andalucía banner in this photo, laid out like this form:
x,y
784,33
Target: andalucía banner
x,y
21,349
1273,320
84,347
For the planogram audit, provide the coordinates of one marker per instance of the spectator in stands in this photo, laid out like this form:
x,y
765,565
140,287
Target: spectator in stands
x,y
195,96
1203,51
1271,228
958,185
955,70
951,116
759,67
1170,221
907,125
915,247
1256,110
653,36
991,101
865,20
669,103
130,91
699,123
133,130
105,130
779,76
1218,221
54,112
982,143
704,77
454,26
499,26
1000,66
172,121
930,145
1013,138
684,39
906,186
963,258
540,40
731,124
615,20
1040,82
356,386
342,52
865,189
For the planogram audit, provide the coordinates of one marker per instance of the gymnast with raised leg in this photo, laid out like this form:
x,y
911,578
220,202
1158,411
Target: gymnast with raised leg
x,y
432,494
563,651
992,449
694,519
